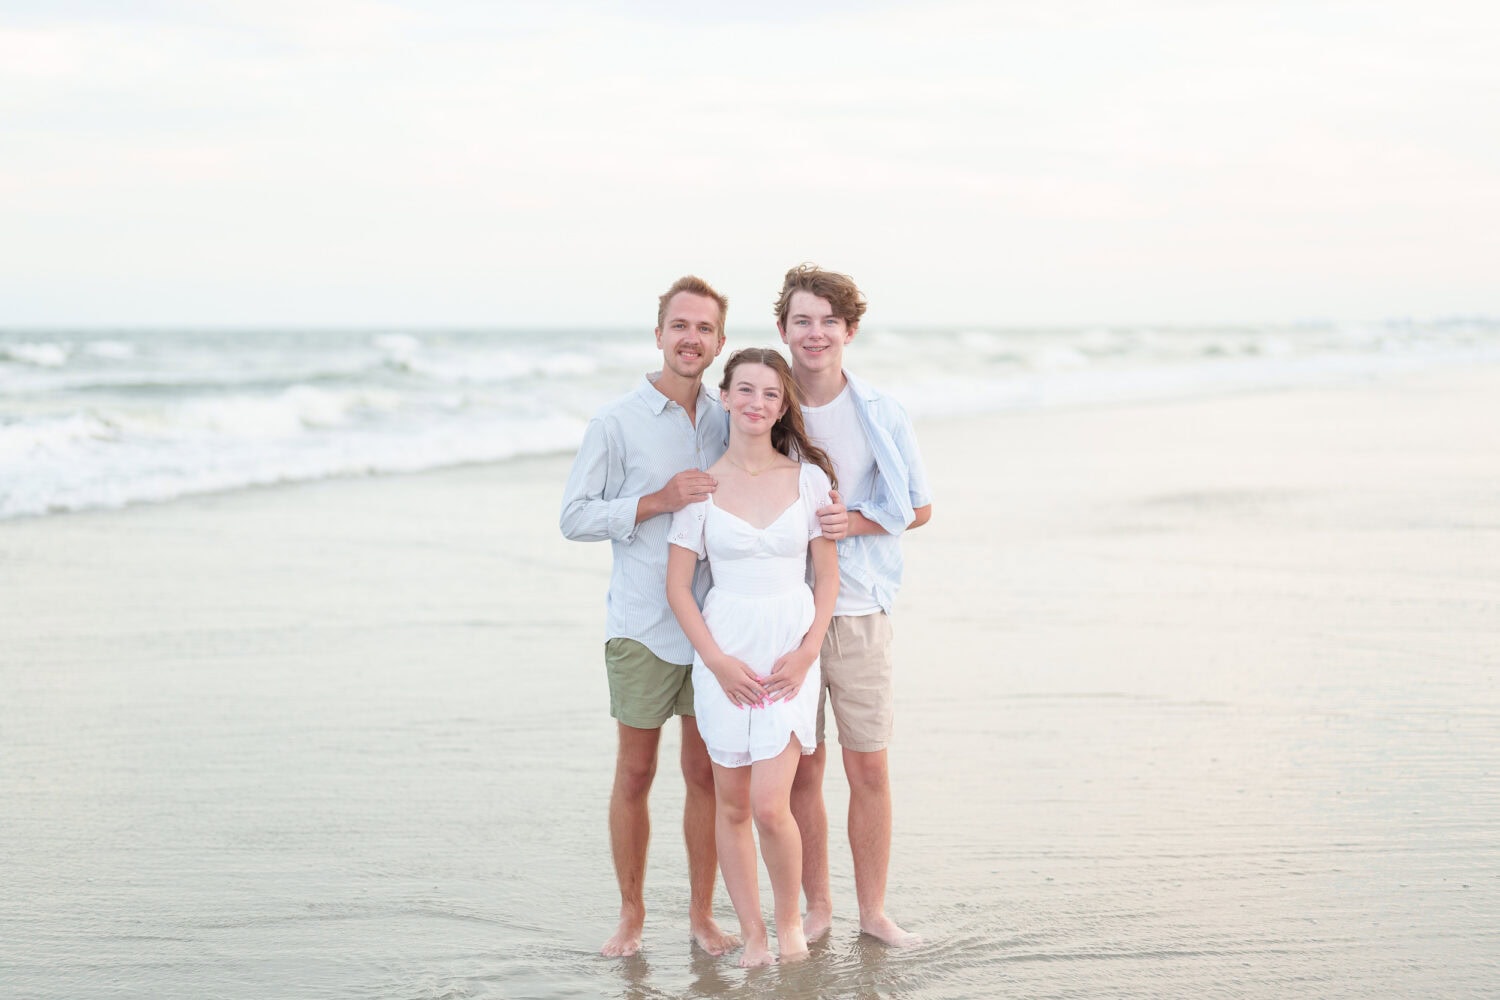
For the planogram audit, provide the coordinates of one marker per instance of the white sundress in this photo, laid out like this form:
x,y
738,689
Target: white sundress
x,y
759,608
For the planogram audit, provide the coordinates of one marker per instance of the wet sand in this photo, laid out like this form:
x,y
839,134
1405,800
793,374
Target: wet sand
x,y
1194,698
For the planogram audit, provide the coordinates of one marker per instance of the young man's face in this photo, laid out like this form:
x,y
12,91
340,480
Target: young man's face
x,y
690,336
815,335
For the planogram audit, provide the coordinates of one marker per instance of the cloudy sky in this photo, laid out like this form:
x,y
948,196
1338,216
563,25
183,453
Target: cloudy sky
x,y
344,162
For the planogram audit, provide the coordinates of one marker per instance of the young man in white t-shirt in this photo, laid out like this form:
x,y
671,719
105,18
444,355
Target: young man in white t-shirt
x,y
883,484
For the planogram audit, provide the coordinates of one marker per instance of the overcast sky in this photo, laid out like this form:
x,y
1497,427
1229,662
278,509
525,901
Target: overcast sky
x,y
251,162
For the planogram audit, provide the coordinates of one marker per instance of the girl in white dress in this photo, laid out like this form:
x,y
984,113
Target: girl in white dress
x,y
756,641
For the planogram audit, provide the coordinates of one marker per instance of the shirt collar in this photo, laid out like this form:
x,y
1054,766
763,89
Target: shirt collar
x,y
861,388
658,401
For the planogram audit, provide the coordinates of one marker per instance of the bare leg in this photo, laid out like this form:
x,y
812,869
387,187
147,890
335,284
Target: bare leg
x,y
781,845
698,833
737,860
630,832
870,843
812,824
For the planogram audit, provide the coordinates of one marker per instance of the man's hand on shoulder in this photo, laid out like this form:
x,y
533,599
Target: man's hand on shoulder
x,y
688,486
833,518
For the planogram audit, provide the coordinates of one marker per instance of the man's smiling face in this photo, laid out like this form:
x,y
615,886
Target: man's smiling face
x,y
691,335
815,335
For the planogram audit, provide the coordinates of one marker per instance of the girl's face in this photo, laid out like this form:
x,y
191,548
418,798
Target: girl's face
x,y
755,398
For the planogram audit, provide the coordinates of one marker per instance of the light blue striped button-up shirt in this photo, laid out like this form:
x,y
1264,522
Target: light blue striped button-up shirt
x,y
901,486
631,448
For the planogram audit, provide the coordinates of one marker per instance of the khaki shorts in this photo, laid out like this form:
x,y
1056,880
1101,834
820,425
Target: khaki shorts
x,y
645,690
856,663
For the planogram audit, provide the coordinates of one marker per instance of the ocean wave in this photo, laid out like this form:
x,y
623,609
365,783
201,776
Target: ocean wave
x,y
293,411
81,463
89,421
110,350
498,367
51,436
40,355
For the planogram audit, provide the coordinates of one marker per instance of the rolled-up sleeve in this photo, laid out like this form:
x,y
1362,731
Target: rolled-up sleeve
x,y
918,491
590,511
891,515
903,477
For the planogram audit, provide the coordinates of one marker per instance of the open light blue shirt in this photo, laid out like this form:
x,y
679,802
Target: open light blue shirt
x,y
631,448
901,486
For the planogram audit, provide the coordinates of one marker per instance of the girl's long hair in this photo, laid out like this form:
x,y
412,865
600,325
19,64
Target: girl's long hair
x,y
788,434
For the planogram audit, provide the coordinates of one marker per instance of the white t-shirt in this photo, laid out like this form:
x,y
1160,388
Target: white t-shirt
x,y
835,428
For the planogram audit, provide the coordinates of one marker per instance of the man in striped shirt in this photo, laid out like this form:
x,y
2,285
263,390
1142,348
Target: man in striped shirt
x,y
641,459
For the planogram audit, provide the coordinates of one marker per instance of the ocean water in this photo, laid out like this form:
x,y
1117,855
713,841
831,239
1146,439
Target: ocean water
x,y
104,419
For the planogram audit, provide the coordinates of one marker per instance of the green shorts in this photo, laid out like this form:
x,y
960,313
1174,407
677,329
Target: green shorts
x,y
645,690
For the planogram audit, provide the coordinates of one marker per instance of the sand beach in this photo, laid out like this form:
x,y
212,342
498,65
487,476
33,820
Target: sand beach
x,y
1195,698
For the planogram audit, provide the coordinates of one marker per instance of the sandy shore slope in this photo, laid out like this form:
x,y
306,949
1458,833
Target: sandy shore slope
x,y
1190,694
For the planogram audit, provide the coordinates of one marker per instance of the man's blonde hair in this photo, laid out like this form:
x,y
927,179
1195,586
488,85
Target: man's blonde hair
x,y
697,286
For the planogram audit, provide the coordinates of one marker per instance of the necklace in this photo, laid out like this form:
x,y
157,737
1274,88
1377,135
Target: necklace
x,y
753,472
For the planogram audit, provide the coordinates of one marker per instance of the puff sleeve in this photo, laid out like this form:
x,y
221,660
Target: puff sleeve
x,y
686,529
815,486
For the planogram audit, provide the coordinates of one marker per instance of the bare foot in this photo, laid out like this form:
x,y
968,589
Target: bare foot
x,y
791,944
884,929
757,951
627,937
711,939
817,922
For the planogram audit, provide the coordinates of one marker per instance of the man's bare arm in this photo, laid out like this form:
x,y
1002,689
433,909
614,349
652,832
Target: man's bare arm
x,y
861,525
